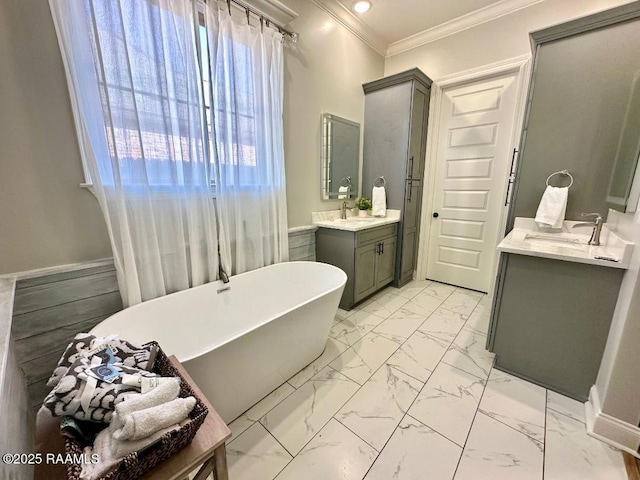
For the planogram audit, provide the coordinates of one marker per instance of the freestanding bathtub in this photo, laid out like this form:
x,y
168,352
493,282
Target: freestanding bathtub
x,y
240,344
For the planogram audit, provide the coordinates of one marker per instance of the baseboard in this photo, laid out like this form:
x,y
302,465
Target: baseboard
x,y
608,429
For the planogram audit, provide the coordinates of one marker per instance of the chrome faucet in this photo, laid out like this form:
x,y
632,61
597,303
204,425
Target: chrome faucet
x,y
343,211
596,224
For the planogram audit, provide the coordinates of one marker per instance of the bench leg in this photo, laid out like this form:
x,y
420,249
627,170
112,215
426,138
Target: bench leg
x,y
220,463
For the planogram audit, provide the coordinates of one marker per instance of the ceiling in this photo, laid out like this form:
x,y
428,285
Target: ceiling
x,y
393,26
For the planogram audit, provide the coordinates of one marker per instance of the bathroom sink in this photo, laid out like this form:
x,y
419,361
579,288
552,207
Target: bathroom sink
x,y
569,244
331,219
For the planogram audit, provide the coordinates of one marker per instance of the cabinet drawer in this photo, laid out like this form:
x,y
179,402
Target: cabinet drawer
x,y
365,237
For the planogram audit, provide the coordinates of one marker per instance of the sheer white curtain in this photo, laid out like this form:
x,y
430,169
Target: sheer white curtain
x,y
137,95
246,65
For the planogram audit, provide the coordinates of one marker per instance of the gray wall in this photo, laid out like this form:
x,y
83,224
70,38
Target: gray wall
x,y
46,218
16,421
580,93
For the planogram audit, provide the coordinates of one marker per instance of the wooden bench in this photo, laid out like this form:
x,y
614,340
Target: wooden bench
x,y
207,450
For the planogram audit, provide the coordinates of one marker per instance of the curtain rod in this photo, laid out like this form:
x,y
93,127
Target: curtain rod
x,y
292,35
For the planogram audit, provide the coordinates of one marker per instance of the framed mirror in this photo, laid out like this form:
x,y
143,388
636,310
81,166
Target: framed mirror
x,y
340,157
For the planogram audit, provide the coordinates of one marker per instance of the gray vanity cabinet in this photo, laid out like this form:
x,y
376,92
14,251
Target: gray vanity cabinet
x,y
395,134
551,321
368,258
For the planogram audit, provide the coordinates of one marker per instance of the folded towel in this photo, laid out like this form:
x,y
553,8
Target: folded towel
x,y
163,393
552,208
142,423
379,202
343,192
111,451
122,448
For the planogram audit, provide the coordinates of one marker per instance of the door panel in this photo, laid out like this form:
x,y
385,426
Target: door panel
x,y
473,154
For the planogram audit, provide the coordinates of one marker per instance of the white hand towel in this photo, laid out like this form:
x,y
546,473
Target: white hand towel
x,y
379,202
163,393
142,423
343,192
553,207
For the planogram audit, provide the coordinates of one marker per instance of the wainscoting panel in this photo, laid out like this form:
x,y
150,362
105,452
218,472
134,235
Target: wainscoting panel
x,y
16,421
302,244
50,310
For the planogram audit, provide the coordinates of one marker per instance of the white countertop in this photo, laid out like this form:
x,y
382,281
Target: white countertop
x,y
353,223
568,245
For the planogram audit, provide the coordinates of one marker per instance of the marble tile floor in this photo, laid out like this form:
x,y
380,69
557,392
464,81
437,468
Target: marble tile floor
x,y
405,390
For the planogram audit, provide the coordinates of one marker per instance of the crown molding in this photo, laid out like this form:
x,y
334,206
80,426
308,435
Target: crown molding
x,y
348,20
486,14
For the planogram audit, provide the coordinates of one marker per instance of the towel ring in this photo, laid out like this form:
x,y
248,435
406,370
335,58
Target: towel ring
x,y
561,172
345,182
376,182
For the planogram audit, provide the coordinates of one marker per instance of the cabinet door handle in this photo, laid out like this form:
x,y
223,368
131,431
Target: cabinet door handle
x,y
410,176
409,185
378,248
382,248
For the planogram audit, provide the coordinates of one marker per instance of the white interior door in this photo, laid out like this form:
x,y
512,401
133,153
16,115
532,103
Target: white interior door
x,y
472,162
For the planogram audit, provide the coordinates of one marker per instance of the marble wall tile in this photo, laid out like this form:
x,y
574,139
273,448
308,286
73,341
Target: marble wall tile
x,y
334,453
376,409
416,452
256,455
296,419
448,402
515,402
365,357
352,329
385,304
468,353
496,451
400,325
419,355
570,454
333,349
565,405
260,409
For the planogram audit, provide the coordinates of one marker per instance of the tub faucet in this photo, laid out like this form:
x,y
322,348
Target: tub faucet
x,y
596,224
225,280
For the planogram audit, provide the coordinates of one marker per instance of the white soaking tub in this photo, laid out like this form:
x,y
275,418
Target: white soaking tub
x,y
240,344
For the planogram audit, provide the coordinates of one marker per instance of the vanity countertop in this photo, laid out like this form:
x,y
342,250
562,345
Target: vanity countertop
x,y
569,244
331,219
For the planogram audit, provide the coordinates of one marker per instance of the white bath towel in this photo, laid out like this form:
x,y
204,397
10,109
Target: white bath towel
x,y
143,423
379,202
552,208
343,192
164,393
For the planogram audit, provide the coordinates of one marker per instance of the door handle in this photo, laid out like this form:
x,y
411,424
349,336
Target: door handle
x,y
410,187
378,248
513,158
382,248
506,198
410,177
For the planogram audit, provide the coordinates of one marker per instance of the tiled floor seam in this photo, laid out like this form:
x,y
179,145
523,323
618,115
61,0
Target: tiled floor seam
x,y
486,414
285,449
345,426
431,428
561,413
485,380
455,472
